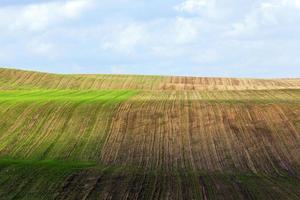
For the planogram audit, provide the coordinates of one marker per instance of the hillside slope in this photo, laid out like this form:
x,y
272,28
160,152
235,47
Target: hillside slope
x,y
148,137
11,79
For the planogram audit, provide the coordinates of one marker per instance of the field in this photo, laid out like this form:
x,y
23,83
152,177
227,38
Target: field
x,y
148,137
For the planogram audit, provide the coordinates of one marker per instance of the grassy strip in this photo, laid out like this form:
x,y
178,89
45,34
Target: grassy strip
x,y
65,95
115,96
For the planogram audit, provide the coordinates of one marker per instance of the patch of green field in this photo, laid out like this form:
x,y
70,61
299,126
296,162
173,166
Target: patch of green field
x,y
110,96
61,124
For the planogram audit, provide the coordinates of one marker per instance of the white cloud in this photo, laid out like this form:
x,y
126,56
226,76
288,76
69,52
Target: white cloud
x,y
267,16
154,36
201,7
75,8
35,17
194,5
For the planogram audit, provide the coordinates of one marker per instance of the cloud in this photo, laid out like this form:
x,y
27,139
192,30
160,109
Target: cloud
x,y
193,5
154,37
31,28
268,18
206,8
37,17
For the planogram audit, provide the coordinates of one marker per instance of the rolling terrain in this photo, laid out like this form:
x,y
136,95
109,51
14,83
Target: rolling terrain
x,y
148,137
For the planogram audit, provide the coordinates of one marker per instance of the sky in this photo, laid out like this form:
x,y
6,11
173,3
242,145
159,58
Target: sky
x,y
215,38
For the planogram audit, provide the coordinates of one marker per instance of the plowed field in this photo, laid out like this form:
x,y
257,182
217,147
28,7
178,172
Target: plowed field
x,y
148,137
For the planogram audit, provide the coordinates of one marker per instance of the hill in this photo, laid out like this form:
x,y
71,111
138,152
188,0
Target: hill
x,y
148,137
12,79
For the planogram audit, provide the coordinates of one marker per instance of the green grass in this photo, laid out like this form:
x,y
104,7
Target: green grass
x,y
111,96
74,116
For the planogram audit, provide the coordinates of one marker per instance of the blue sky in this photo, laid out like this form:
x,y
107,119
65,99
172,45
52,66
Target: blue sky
x,y
249,38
